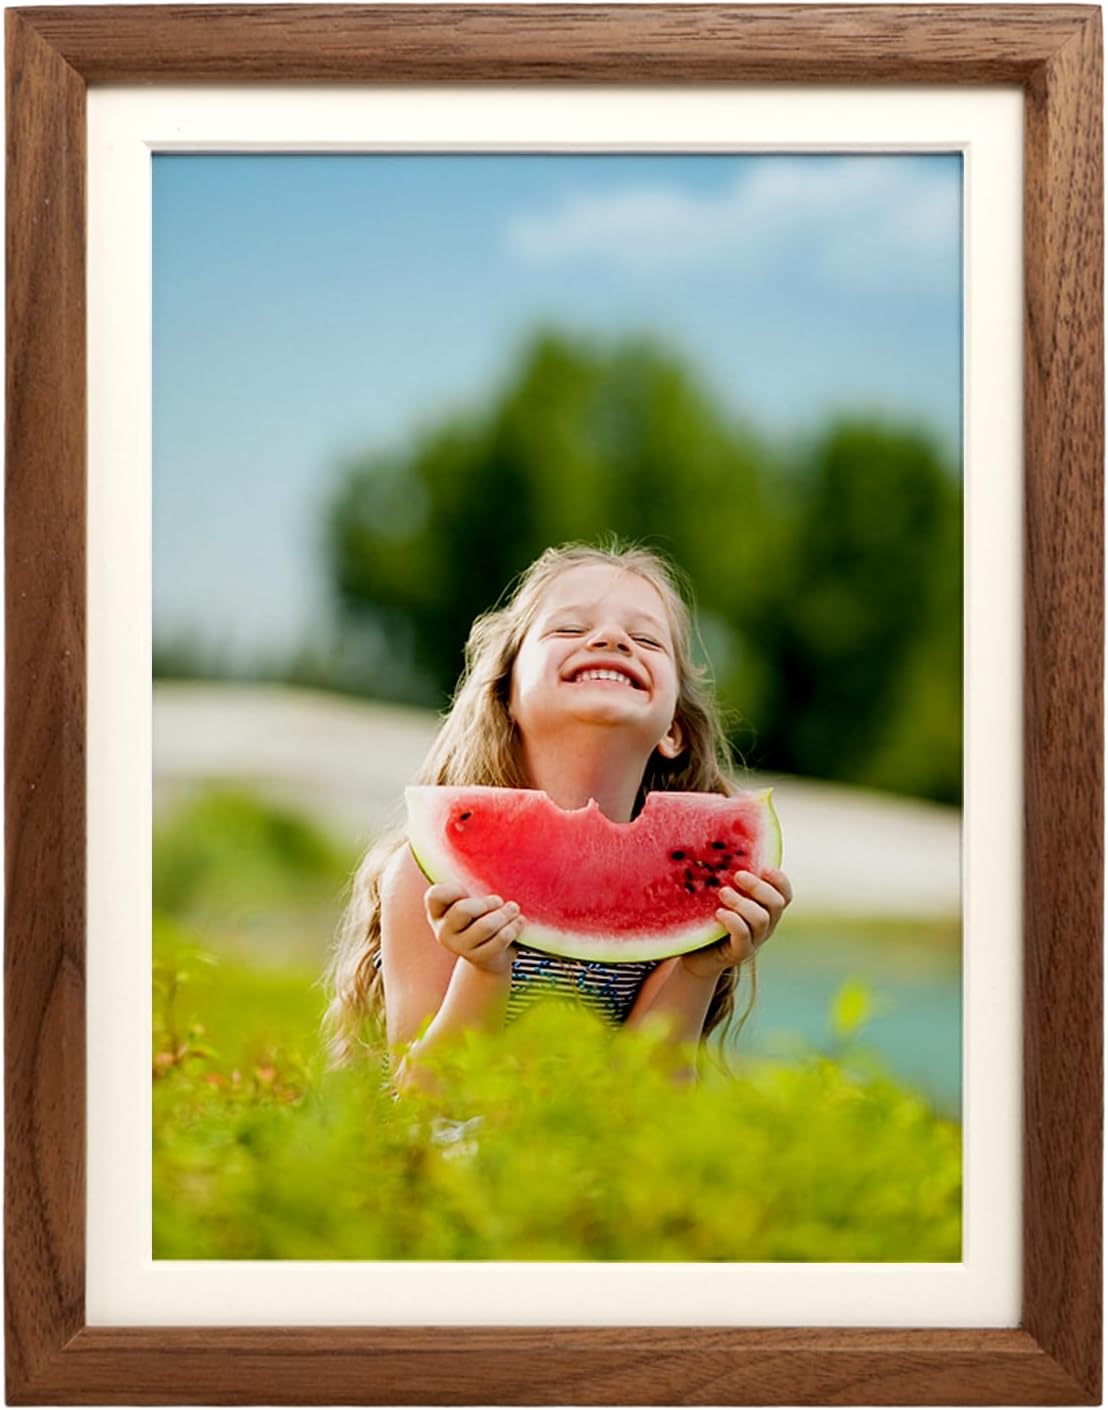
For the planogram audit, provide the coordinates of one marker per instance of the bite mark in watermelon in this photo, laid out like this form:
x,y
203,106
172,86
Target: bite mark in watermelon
x,y
589,888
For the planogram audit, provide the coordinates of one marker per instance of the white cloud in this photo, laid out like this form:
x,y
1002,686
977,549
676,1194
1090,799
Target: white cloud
x,y
849,219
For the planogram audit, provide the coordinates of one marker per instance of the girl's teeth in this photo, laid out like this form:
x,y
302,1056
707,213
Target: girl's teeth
x,y
603,676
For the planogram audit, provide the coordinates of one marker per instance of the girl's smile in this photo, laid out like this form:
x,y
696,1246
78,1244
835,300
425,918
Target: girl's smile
x,y
605,675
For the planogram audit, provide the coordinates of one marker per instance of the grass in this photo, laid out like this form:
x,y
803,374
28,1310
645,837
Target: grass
x,y
557,1140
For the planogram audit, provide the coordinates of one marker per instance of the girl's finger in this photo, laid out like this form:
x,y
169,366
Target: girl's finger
x,y
741,945
756,916
471,908
500,941
760,890
438,899
778,878
486,926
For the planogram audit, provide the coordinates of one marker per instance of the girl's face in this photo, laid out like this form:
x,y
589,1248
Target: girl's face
x,y
599,650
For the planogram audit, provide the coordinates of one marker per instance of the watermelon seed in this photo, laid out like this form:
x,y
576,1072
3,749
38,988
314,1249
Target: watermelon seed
x,y
466,815
719,846
689,887
688,876
711,881
677,856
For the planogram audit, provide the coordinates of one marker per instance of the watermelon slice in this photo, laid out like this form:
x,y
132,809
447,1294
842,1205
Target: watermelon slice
x,y
589,888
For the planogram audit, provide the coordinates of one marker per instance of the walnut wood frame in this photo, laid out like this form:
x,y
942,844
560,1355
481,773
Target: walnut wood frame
x,y
1054,1356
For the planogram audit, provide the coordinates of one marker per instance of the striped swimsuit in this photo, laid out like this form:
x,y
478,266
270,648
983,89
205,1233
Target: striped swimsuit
x,y
610,989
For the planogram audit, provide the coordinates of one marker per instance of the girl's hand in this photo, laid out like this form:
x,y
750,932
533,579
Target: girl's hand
x,y
750,914
479,929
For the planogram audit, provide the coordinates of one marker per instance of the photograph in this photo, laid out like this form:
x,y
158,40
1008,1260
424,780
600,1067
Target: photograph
x,y
557,691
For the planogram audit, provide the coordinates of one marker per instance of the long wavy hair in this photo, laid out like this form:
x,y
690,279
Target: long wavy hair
x,y
477,744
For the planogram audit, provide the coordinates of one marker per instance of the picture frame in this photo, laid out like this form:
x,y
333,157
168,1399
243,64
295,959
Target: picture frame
x,y
1054,53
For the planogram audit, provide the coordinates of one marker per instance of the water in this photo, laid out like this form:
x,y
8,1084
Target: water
x,y
914,977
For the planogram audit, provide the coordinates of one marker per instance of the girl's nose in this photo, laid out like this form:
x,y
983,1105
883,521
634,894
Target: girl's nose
x,y
611,638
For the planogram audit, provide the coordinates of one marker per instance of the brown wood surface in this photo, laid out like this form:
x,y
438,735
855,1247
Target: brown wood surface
x,y
620,1366
52,1358
1063,705
567,43
44,948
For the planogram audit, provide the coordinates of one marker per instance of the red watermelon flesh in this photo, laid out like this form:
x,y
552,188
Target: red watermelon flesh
x,y
589,888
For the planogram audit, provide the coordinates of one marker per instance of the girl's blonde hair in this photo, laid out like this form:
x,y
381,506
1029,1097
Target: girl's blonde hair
x,y
476,744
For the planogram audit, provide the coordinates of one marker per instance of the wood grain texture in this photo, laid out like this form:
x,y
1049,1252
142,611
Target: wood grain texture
x,y
45,702
1054,1357
566,43
1063,704
606,1366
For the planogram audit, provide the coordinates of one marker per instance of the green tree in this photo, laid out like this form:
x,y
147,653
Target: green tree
x,y
864,621
828,580
583,441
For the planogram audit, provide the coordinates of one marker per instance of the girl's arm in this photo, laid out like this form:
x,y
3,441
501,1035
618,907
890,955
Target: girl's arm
x,y
423,979
675,997
680,990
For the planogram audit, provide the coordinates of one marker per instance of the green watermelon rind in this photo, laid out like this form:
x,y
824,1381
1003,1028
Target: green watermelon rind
x,y
575,944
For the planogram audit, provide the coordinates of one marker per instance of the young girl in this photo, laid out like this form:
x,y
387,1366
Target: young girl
x,y
582,685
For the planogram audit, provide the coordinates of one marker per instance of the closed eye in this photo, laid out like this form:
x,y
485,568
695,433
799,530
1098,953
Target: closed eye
x,y
578,631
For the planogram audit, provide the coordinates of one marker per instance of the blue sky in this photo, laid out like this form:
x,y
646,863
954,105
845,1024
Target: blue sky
x,y
308,308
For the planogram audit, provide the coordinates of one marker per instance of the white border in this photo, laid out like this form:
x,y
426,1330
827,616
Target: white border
x,y
124,1286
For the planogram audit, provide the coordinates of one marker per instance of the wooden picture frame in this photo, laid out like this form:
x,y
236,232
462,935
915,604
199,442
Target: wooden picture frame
x,y
1055,54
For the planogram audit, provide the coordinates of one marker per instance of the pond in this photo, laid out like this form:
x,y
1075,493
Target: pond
x,y
913,972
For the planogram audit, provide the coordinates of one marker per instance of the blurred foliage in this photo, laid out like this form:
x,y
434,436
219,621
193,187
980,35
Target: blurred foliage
x,y
864,623
559,1139
853,1007
248,872
828,572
